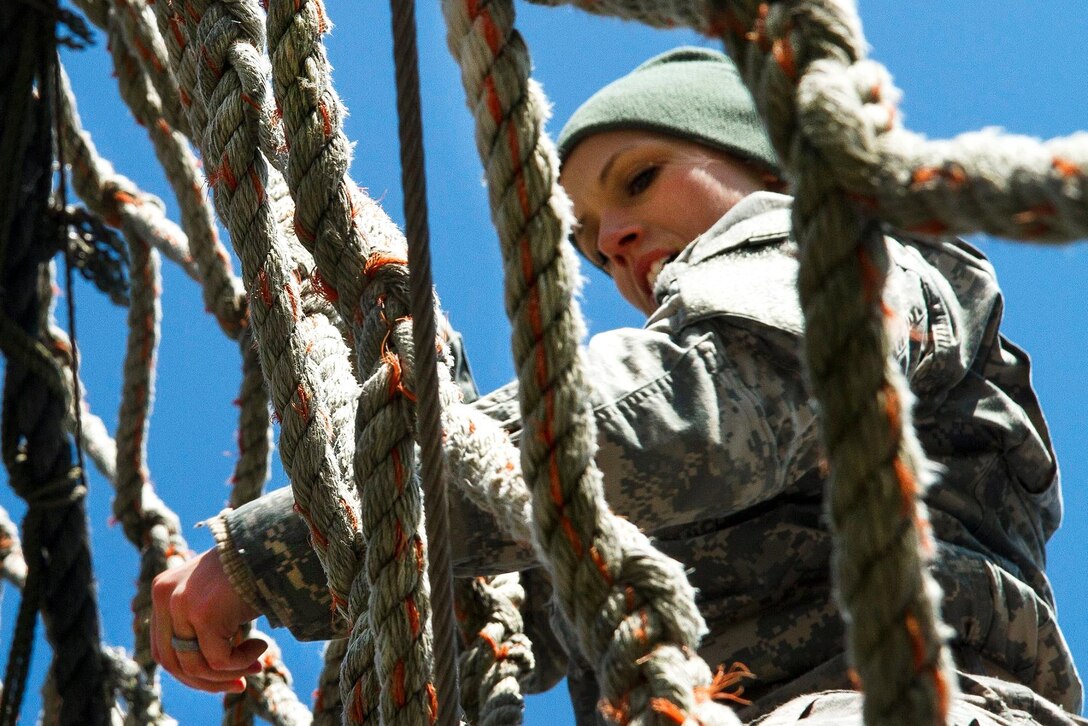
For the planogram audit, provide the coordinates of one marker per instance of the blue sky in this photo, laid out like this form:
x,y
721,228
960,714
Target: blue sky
x,y
961,65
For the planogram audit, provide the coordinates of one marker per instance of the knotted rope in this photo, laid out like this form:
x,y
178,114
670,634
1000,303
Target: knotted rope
x,y
35,448
632,607
313,388
497,655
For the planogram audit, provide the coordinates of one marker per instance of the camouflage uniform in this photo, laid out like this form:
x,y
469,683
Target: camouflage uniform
x,y
708,441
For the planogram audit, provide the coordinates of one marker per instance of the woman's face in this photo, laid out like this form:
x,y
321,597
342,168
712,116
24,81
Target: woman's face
x,y
641,197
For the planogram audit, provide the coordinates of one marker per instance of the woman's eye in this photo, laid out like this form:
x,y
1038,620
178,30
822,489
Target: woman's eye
x,y
642,180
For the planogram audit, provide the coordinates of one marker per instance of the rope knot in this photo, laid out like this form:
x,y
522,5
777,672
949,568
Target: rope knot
x,y
57,493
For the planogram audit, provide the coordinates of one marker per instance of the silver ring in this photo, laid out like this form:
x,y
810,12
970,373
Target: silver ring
x,y
185,645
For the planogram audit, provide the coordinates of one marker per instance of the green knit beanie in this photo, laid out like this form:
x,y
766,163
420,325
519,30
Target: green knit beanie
x,y
692,93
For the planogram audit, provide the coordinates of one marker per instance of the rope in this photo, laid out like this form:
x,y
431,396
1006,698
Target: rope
x,y
35,449
312,391
497,655
12,564
332,219
114,197
428,408
880,526
328,709
632,607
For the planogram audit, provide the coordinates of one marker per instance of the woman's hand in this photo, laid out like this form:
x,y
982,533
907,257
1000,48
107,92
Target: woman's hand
x,y
195,619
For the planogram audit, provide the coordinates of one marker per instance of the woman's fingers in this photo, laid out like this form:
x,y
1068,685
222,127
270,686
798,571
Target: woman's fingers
x,y
195,618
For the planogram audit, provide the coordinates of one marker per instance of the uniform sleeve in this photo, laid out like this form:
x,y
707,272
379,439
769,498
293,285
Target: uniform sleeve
x,y
692,426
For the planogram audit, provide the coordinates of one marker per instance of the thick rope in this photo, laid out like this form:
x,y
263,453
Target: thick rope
x,y
428,407
222,293
36,451
312,392
497,656
633,608
327,205
328,709
881,529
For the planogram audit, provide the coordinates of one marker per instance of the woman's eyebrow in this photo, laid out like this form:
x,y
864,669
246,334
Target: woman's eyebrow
x,y
607,168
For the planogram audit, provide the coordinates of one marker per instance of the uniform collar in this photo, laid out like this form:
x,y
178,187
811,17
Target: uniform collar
x,y
759,216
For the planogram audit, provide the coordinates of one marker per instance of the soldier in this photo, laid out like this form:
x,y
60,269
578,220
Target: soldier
x,y
708,437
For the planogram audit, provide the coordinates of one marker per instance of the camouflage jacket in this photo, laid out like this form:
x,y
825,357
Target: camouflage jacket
x,y
708,442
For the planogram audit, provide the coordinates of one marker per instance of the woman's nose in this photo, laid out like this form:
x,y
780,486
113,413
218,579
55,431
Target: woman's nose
x,y
617,236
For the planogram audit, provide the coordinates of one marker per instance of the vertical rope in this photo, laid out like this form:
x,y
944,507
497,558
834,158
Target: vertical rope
x,y
36,451
428,407
879,524
633,608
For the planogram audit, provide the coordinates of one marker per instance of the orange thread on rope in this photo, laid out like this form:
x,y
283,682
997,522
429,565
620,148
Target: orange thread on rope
x,y
358,705
258,188
399,540
179,37
668,710
398,469
379,260
302,408
400,697
725,685
1035,213
323,287
191,12
1065,167
292,298
617,712
350,512
917,641
226,174
163,127
263,288
326,122
301,231
432,702
640,631
924,175
872,282
421,556
758,33
319,700
317,536
125,198
782,50
602,566
209,63
499,651
413,616
855,679
572,534
248,100
908,488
